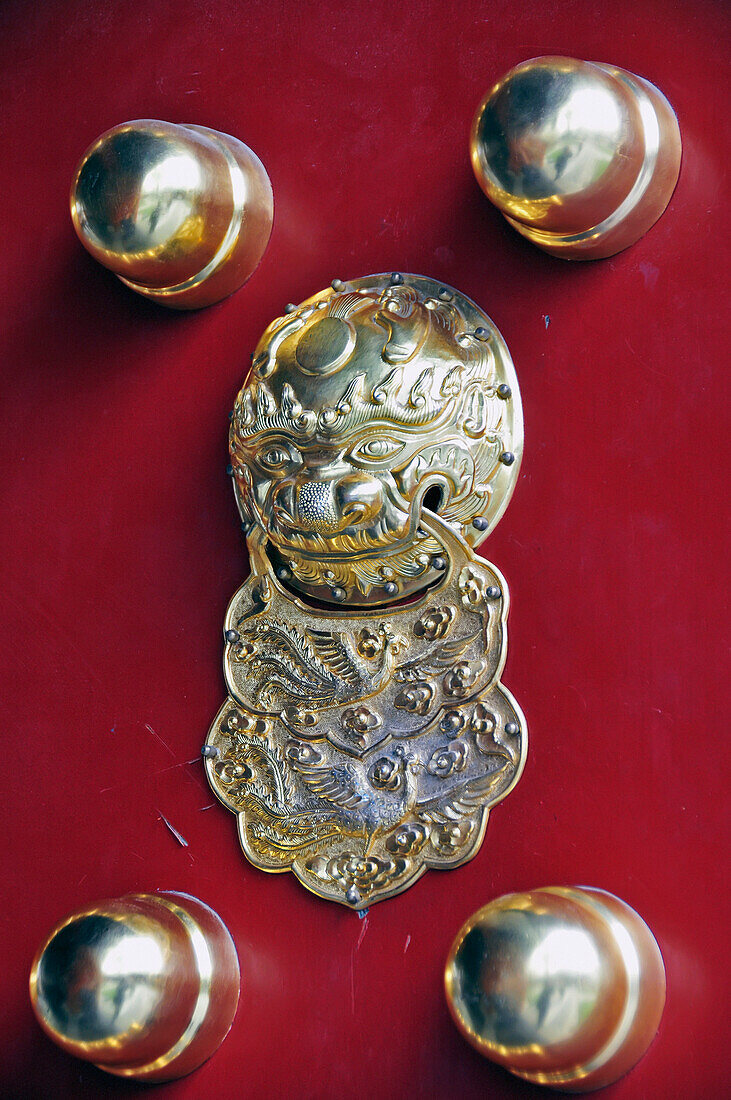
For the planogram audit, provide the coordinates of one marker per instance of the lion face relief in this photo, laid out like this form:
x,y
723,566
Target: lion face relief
x,y
365,405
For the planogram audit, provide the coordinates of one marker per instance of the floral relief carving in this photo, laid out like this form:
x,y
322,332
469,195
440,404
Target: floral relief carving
x,y
435,623
370,643
483,724
446,761
298,752
360,719
353,872
386,775
237,721
461,678
473,586
416,698
448,838
453,721
299,716
358,722
408,839
230,770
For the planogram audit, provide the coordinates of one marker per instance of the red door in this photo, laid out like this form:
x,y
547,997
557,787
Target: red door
x,y
121,545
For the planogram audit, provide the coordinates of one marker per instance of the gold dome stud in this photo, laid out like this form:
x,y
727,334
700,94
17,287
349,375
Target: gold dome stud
x,y
581,158
564,986
144,986
181,213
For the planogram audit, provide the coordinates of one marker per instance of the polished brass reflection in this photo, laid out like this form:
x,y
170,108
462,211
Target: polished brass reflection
x,y
181,213
100,980
144,986
563,986
581,158
366,734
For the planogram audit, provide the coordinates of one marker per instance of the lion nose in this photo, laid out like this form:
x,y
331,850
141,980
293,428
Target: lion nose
x,y
316,510
330,506
359,497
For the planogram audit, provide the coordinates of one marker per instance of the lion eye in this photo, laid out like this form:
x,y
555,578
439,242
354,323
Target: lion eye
x,y
275,457
376,450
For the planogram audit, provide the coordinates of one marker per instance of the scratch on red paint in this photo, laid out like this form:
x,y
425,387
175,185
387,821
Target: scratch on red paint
x,y
159,738
178,836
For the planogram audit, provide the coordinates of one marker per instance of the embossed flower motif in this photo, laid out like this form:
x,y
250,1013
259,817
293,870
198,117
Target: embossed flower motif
x,y
237,721
242,651
361,873
298,716
231,770
447,761
482,724
352,871
447,839
453,721
386,774
461,678
435,622
370,643
482,720
407,839
472,585
416,698
297,752
359,720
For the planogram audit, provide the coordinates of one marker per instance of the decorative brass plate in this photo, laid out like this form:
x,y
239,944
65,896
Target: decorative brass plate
x,y
366,733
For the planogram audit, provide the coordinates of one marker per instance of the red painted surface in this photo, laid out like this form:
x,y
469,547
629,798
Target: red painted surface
x,y
120,542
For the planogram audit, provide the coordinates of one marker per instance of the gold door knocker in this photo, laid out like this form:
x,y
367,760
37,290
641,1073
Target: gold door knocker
x,y
366,733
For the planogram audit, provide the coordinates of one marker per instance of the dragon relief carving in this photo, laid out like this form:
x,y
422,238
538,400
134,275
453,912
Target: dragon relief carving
x,y
323,666
359,750
366,734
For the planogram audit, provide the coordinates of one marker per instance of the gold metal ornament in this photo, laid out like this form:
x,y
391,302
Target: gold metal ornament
x,y
581,158
563,986
144,986
181,214
366,733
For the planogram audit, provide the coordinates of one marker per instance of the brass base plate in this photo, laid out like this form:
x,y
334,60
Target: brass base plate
x,y
359,749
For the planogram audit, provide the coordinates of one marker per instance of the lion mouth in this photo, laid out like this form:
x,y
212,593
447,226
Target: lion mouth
x,y
343,542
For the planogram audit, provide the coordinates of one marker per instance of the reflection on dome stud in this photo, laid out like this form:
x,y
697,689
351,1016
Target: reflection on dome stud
x,y
581,158
181,214
563,986
144,986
